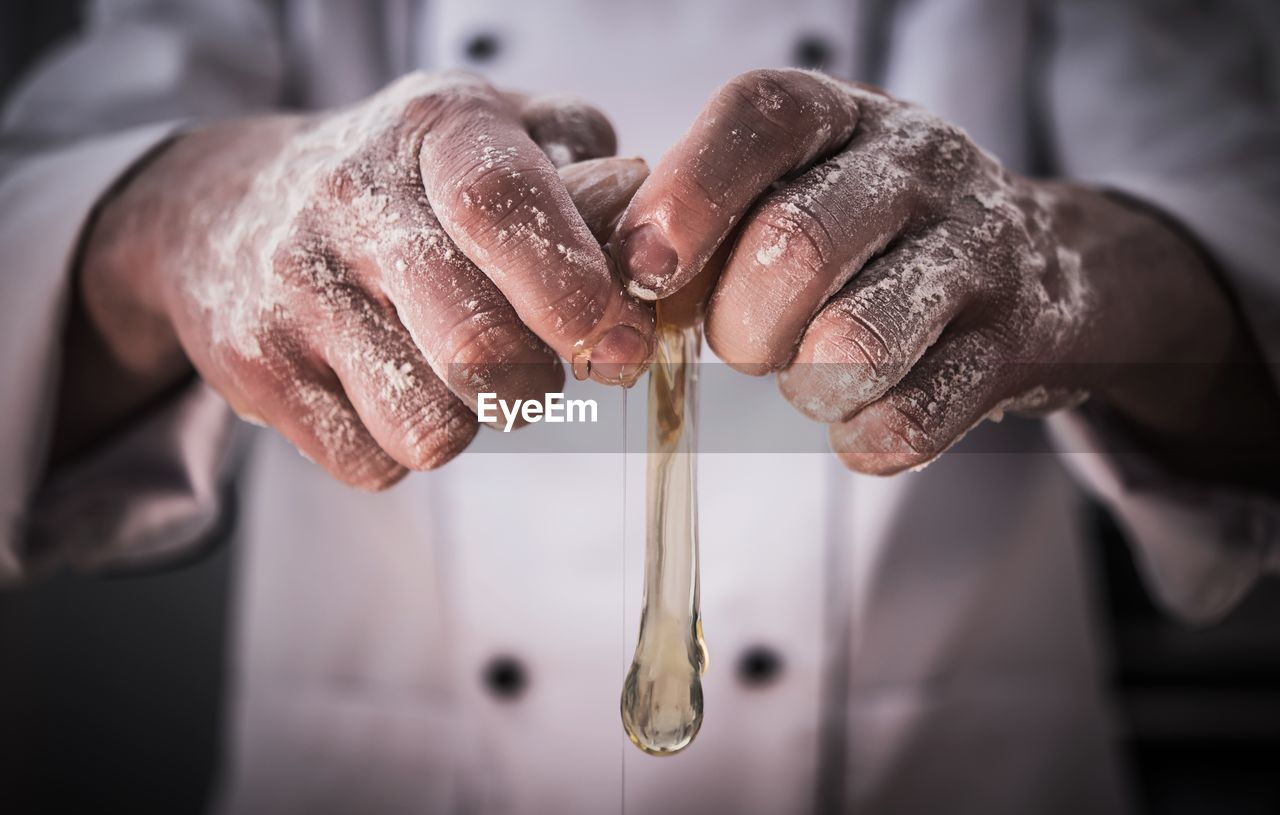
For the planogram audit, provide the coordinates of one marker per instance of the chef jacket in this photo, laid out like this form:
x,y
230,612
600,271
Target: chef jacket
x,y
923,643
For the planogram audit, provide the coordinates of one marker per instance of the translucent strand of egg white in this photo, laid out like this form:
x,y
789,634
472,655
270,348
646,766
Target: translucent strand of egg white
x,y
662,695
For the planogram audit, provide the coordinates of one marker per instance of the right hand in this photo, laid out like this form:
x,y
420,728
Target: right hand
x,y
355,279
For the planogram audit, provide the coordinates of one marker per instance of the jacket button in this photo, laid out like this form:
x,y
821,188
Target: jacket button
x,y
482,47
759,665
505,677
811,51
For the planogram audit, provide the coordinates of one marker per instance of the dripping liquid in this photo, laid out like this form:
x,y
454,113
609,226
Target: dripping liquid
x,y
662,694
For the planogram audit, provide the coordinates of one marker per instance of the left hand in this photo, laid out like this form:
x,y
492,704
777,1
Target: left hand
x,y
904,284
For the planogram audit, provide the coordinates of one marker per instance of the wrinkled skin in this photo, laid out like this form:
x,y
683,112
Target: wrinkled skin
x,y
905,286
355,278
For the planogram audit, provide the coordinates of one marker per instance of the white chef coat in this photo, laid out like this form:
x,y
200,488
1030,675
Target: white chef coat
x,y
933,629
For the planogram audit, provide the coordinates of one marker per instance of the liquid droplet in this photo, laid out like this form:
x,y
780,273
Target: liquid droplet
x,y
662,696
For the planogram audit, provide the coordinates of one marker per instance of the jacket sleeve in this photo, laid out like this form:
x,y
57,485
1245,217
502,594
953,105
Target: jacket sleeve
x,y
1174,104
93,108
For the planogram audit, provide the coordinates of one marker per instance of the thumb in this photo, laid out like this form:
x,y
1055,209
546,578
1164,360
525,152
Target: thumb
x,y
602,188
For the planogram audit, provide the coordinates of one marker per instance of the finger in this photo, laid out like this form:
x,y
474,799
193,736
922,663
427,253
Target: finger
x,y
407,409
876,328
501,202
400,259
955,385
797,248
602,188
308,407
758,128
462,325
568,129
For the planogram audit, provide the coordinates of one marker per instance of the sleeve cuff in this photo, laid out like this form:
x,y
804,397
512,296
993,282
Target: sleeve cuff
x,y
45,204
1200,549
147,498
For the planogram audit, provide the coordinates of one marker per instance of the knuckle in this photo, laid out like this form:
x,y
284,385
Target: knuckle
x,y
416,83
424,97
574,307
794,233
847,365
350,453
488,349
697,196
866,343
945,153
320,282
887,438
498,198
451,102
437,432
375,186
767,94
484,335
370,470
421,107
324,426
908,433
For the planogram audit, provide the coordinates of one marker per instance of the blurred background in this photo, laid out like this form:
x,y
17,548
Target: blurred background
x,y
111,689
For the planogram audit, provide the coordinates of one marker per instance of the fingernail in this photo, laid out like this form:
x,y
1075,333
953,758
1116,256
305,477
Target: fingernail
x,y
647,261
620,355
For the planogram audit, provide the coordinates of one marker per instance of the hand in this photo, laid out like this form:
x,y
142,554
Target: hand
x,y
354,279
905,285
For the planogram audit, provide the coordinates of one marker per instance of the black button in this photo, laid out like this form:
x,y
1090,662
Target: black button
x,y
505,677
812,51
482,47
759,665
